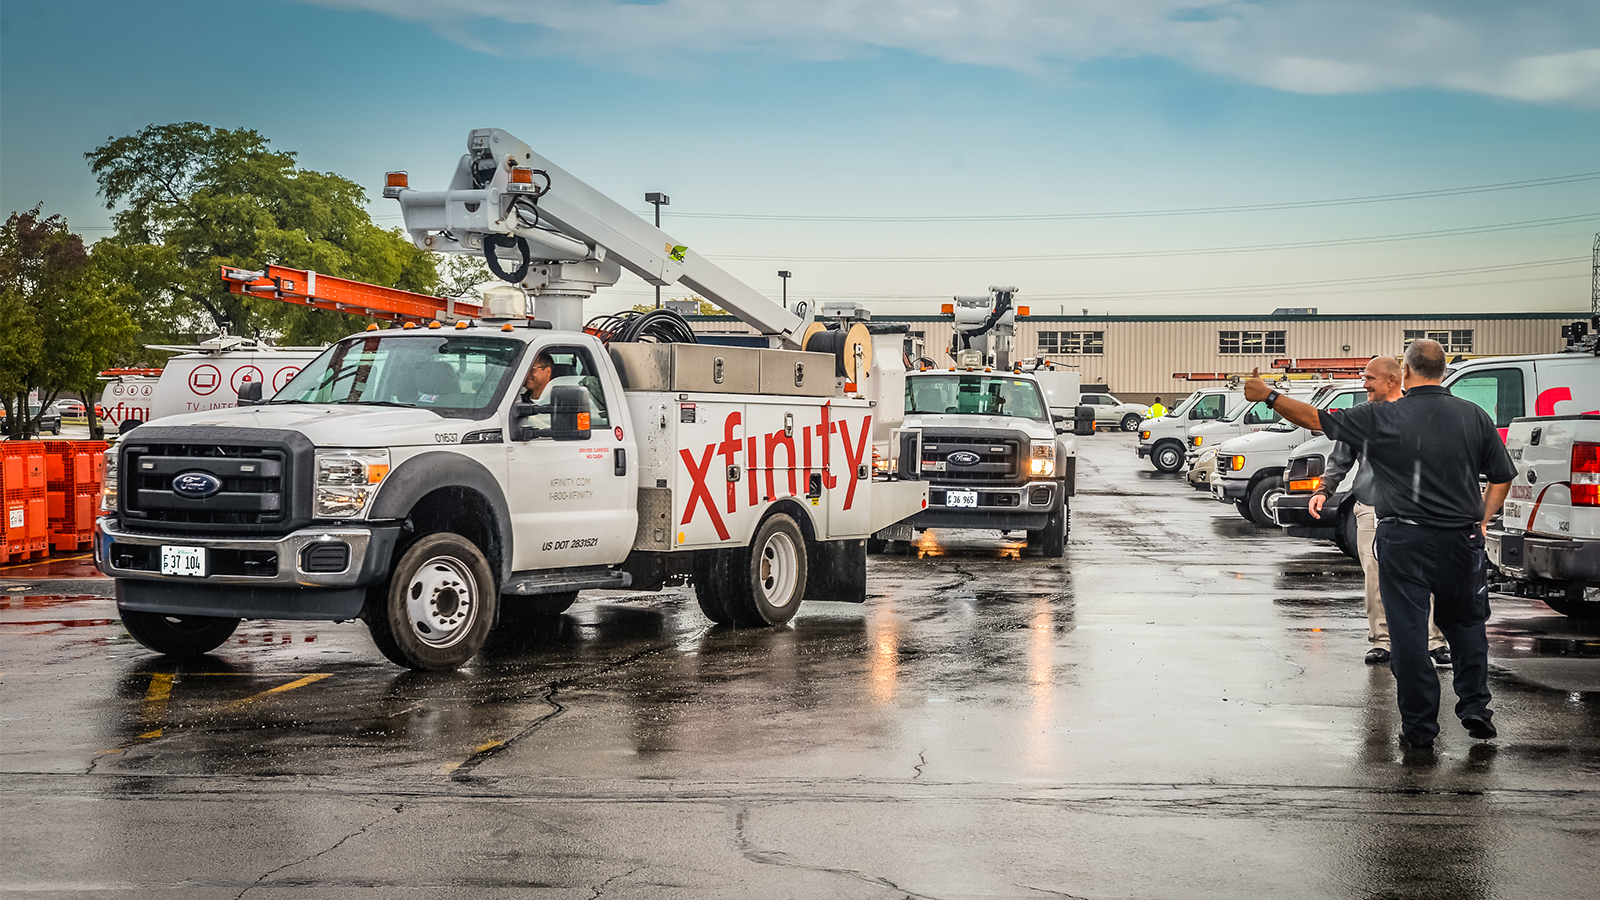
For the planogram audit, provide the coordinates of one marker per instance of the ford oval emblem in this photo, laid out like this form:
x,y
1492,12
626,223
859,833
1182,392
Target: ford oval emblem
x,y
196,485
963,458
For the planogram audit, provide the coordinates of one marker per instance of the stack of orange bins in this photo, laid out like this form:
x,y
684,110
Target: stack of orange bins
x,y
26,527
75,473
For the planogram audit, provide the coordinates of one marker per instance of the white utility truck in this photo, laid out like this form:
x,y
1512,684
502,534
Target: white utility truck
x,y
1250,468
1548,542
983,435
436,480
1165,439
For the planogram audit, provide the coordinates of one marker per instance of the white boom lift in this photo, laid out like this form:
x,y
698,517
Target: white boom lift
x,y
568,239
982,328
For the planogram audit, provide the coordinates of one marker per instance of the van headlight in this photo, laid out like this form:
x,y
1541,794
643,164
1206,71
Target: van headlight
x,y
346,481
1236,463
1144,435
1199,439
108,489
1043,464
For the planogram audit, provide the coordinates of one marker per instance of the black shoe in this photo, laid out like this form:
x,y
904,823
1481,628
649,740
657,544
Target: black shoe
x,y
1441,656
1377,656
1479,727
1415,744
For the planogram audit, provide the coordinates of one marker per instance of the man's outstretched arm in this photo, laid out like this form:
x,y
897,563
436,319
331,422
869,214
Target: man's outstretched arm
x,y
1303,414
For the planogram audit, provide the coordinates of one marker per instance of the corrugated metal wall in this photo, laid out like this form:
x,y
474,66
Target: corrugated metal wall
x,y
1141,354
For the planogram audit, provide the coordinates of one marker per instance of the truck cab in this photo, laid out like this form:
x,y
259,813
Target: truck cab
x,y
992,453
1165,439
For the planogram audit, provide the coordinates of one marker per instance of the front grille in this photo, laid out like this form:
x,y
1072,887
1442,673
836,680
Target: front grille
x,y
999,456
258,474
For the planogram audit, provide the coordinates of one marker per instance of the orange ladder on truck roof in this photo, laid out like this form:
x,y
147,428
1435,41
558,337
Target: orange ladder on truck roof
x,y
308,288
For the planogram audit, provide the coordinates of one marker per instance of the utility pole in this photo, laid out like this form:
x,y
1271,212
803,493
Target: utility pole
x,y
784,274
658,200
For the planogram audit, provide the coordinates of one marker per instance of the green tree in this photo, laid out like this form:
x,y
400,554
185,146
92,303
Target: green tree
x,y
190,198
58,326
707,308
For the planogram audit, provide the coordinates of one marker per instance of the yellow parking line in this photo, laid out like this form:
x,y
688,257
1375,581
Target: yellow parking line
x,y
155,699
481,748
48,559
298,682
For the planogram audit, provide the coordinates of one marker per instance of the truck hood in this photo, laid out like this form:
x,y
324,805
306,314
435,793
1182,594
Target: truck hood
x,y
1319,446
1031,427
1260,440
333,425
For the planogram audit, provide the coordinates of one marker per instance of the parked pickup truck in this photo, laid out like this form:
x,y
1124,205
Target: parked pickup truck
x,y
1165,439
1548,542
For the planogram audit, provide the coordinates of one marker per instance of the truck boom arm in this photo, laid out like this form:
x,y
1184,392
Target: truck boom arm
x,y
503,188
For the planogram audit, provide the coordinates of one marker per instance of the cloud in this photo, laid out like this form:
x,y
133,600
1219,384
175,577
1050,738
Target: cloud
x,y
1539,51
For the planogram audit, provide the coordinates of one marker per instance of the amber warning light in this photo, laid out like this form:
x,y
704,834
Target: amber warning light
x,y
394,183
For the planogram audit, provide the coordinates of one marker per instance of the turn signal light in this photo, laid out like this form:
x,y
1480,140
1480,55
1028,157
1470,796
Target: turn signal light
x,y
1144,435
947,308
397,179
1022,310
1585,474
583,421
521,175
1236,463
1309,484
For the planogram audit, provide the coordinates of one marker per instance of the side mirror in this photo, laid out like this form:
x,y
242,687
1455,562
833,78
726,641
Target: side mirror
x,y
569,415
250,393
128,425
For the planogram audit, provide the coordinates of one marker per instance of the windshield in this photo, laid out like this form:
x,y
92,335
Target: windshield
x,y
1183,408
454,375
976,394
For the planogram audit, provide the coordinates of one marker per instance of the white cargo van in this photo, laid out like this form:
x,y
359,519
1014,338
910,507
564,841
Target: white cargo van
x,y
1166,439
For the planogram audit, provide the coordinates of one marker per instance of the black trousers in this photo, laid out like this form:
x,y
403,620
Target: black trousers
x,y
1415,562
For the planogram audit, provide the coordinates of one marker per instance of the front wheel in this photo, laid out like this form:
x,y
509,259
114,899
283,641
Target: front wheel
x,y
437,609
1130,422
1168,457
178,635
1052,539
1263,501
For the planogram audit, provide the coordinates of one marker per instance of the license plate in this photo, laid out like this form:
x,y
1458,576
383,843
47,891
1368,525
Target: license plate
x,y
189,561
960,498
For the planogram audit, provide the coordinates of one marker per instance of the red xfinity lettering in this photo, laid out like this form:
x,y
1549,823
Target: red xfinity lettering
x,y
855,456
700,493
729,448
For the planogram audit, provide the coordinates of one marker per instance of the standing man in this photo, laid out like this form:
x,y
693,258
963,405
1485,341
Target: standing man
x,y
1427,450
1382,381
1157,410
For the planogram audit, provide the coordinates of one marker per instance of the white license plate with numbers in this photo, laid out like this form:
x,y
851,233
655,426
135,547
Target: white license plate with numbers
x,y
183,561
961,498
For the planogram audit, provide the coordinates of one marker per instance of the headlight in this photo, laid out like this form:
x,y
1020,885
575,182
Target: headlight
x,y
1198,440
108,490
1144,435
1236,463
346,481
1044,460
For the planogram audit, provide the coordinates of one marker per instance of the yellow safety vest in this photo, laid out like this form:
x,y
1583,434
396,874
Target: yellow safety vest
x,y
1157,411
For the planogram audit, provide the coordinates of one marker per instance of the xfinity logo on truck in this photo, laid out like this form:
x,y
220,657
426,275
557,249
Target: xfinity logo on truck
x,y
196,485
962,458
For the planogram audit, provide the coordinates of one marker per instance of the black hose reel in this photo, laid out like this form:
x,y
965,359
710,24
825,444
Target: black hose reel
x,y
491,242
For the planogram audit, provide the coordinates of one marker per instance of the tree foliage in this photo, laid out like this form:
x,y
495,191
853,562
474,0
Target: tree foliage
x,y
190,198
59,326
707,308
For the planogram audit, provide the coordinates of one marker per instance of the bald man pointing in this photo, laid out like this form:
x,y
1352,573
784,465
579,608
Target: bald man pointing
x,y
1427,451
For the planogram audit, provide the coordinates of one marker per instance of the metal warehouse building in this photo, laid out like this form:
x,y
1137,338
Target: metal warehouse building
x,y
1134,357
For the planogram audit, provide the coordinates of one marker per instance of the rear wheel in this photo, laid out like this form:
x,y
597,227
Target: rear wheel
x,y
1130,422
710,580
1168,457
438,607
1263,501
764,584
178,635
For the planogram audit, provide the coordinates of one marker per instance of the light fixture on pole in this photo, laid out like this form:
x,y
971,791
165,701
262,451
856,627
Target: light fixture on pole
x,y
784,274
658,200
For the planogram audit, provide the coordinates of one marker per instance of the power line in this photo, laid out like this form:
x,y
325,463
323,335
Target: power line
x,y
1196,251
1184,211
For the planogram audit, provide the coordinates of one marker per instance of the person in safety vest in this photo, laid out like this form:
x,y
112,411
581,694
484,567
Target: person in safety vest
x,y
1157,410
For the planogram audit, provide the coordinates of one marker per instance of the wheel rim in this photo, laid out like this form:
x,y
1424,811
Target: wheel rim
x,y
441,601
1168,458
779,570
1269,506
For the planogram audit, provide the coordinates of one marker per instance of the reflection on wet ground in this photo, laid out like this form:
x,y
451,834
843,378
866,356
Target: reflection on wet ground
x,y
1183,688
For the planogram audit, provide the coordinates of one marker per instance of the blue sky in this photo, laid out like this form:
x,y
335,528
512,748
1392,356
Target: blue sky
x,y
897,137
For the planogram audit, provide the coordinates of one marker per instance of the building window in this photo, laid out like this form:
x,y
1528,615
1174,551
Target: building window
x,y
1453,341
1251,342
1072,343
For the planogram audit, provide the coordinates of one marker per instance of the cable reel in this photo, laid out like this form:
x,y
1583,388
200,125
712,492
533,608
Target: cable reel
x,y
850,347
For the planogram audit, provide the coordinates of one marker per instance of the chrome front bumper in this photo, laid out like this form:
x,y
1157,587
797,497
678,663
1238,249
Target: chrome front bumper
x,y
370,549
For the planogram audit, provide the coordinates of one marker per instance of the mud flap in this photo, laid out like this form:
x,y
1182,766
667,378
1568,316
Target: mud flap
x,y
837,571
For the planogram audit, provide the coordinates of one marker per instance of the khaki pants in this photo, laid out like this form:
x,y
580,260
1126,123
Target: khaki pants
x,y
1377,625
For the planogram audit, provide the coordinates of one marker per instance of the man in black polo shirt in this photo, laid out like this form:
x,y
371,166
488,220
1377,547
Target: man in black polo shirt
x,y
1426,450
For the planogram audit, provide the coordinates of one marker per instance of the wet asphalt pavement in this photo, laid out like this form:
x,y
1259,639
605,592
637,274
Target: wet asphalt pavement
x,y
1177,709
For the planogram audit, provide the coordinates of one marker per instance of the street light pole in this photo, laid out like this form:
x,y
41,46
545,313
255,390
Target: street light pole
x,y
658,200
784,274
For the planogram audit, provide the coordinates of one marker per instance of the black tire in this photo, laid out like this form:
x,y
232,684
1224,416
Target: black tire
x,y
1053,537
1167,456
178,635
1243,509
438,606
1348,540
764,585
1263,497
710,577
1130,422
